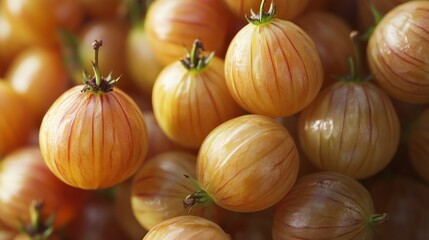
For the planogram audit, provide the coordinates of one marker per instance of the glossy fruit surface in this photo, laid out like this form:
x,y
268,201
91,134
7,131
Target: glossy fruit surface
x,y
364,16
142,66
39,21
187,228
16,121
248,163
272,67
22,172
93,140
160,186
10,43
398,52
326,205
191,99
158,141
322,27
351,128
172,27
39,76
305,165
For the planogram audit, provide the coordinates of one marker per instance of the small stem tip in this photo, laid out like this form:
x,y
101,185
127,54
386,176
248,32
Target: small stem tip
x,y
195,60
262,17
376,219
37,228
354,36
199,197
35,213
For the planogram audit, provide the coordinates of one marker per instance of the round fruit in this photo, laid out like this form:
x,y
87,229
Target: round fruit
x,y
326,205
190,98
39,76
25,178
38,21
16,121
405,200
187,228
94,136
172,26
351,128
160,186
272,67
246,164
398,52
322,27
142,66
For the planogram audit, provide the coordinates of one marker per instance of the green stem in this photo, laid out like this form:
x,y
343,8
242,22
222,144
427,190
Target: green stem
x,y
36,228
98,84
262,17
355,62
70,54
35,214
136,11
193,180
375,13
356,51
261,9
96,45
199,197
197,47
377,219
133,11
377,18
352,68
195,61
